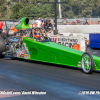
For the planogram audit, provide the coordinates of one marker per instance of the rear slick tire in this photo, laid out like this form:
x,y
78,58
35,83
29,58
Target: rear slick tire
x,y
2,47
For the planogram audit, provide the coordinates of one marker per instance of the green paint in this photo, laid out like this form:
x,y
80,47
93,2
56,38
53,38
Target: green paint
x,y
52,52
23,24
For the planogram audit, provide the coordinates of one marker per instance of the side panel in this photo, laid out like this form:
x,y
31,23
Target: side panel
x,y
53,53
42,52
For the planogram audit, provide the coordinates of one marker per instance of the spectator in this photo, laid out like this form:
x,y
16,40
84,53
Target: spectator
x,y
78,22
48,27
42,23
45,20
1,27
64,22
38,22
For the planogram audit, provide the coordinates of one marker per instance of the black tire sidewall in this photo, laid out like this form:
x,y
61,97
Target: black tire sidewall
x,y
2,47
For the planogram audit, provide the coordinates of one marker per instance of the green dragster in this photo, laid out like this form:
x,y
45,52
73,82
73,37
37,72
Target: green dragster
x,y
48,51
52,52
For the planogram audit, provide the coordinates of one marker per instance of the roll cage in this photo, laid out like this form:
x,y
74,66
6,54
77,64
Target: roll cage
x,y
47,39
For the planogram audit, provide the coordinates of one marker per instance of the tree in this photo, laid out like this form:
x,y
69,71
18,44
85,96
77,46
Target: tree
x,y
16,9
3,8
15,12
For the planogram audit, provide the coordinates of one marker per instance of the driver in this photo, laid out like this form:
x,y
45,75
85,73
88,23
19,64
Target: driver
x,y
37,35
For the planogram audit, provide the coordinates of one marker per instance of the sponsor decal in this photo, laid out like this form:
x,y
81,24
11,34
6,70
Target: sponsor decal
x,y
22,48
79,65
54,39
18,54
28,55
34,50
18,51
79,62
25,55
67,42
24,52
25,47
27,50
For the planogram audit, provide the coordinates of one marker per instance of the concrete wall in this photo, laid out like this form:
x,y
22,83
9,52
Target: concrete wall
x,y
84,35
79,28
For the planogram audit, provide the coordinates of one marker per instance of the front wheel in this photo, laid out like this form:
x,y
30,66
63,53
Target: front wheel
x,y
87,63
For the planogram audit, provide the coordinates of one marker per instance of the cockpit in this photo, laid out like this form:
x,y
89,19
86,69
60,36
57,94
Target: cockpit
x,y
39,35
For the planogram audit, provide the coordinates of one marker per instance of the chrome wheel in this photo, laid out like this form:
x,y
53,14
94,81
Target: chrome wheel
x,y
87,63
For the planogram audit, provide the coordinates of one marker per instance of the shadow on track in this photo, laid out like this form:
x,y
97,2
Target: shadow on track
x,y
45,63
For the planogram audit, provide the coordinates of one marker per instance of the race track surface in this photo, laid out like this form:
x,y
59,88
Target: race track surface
x,y
59,82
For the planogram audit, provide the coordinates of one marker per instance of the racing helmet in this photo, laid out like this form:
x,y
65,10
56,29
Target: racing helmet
x,y
37,33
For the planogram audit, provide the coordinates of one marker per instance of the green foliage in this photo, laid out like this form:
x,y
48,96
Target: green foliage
x,y
15,12
3,8
33,12
16,9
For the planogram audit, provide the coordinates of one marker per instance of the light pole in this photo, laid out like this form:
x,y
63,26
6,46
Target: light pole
x,y
55,3
59,9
